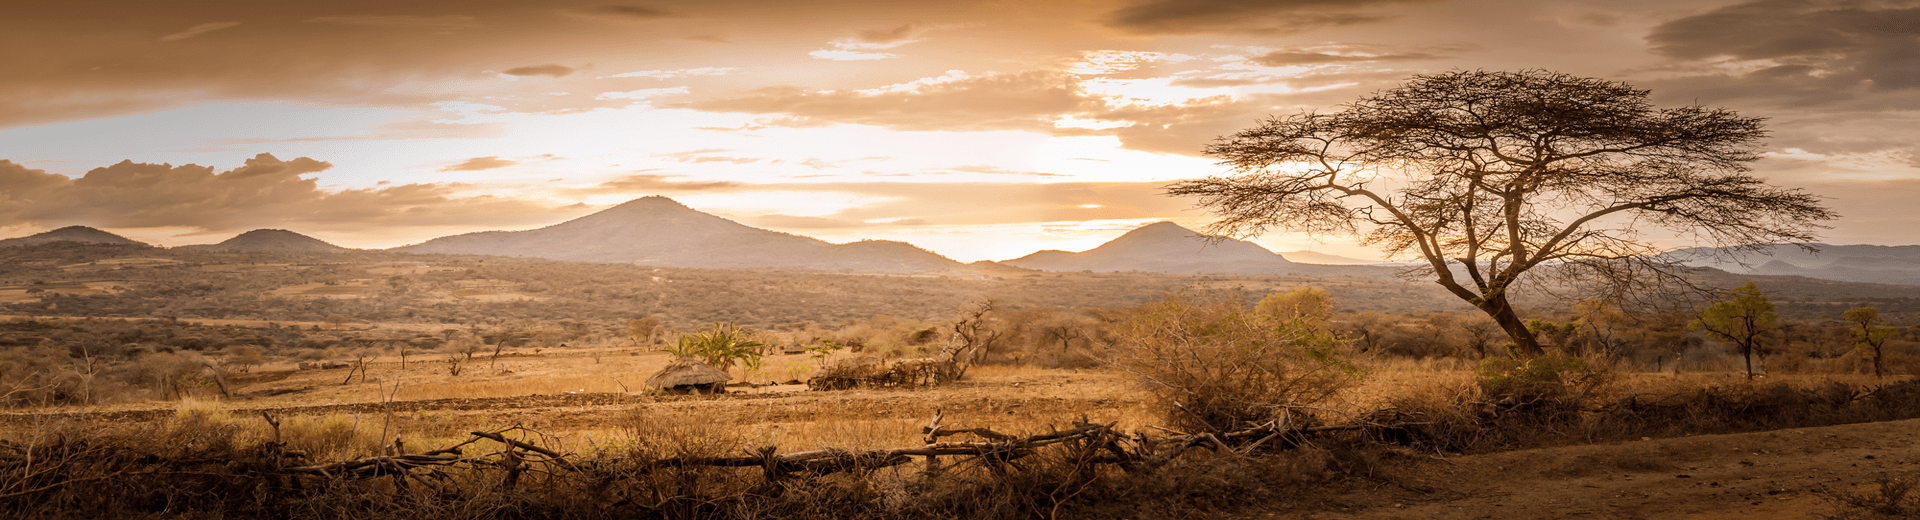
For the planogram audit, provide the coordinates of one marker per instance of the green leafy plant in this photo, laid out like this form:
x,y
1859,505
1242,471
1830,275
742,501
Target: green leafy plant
x,y
821,349
722,346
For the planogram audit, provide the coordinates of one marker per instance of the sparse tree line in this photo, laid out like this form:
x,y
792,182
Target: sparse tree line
x,y
98,360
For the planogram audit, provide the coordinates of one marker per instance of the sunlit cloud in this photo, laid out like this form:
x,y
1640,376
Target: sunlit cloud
x,y
550,70
860,47
1265,17
1110,62
479,163
198,30
648,93
847,55
676,73
624,12
442,23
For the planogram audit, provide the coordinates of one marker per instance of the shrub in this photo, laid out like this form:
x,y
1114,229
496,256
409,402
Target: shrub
x,y
1550,376
1893,499
722,346
1215,364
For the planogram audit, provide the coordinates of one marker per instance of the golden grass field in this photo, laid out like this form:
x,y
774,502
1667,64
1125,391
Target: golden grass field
x,y
588,401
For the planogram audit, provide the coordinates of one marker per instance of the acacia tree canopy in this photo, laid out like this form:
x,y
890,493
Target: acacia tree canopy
x,y
1486,176
1741,318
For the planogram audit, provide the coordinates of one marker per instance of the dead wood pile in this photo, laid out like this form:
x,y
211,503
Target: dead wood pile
x,y
503,460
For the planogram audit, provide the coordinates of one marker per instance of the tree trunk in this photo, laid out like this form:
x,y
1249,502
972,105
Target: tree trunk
x,y
1877,356
1502,314
1748,351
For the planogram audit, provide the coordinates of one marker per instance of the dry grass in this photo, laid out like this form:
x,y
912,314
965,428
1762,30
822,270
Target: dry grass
x,y
1013,399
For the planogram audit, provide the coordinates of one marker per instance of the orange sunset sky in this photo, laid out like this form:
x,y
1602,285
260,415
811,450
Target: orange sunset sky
x,y
977,129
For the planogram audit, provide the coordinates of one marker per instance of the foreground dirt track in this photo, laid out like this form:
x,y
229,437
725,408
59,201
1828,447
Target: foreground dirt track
x,y
1778,474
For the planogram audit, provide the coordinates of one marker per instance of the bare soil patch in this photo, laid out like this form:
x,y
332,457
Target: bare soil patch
x,y
1775,474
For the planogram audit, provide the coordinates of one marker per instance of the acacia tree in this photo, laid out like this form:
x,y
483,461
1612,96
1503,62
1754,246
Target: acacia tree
x,y
1742,318
1871,336
1489,176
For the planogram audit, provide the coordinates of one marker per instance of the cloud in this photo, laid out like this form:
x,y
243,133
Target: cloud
x,y
705,155
198,30
21,187
549,69
885,38
1051,102
624,12
479,163
846,55
647,93
434,23
676,73
1288,58
996,170
1806,50
1244,16
415,130
267,164
264,192
1001,101
859,46
785,221
659,183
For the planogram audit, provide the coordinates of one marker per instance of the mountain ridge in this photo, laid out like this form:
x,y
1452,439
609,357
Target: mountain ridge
x,y
270,241
79,234
656,230
1162,247
1845,263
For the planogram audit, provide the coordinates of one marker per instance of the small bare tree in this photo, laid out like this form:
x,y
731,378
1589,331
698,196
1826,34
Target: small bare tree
x,y
971,339
1488,177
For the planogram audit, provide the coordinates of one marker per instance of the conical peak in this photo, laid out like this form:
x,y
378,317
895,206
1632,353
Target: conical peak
x,y
267,232
1163,230
81,234
652,202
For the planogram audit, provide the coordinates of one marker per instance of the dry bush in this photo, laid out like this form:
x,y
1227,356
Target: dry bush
x,y
1461,417
1215,364
1892,499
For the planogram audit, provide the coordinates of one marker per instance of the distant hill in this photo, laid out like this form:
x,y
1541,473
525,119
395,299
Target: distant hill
x,y
1854,263
659,231
270,241
79,234
1162,247
1310,257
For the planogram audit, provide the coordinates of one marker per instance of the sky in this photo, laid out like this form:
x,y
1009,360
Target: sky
x,y
980,130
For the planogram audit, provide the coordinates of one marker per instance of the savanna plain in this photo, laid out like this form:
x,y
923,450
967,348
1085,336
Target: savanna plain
x,y
147,382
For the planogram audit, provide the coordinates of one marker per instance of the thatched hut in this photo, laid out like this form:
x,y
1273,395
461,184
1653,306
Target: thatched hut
x,y
685,376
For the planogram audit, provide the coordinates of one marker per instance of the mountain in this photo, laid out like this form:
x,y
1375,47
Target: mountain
x,y
658,231
1310,257
1162,247
80,234
1854,263
270,241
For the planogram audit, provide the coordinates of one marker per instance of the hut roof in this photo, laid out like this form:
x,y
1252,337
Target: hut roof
x,y
687,372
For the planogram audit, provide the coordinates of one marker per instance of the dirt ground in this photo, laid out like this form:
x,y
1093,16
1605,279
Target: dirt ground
x,y
1778,474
